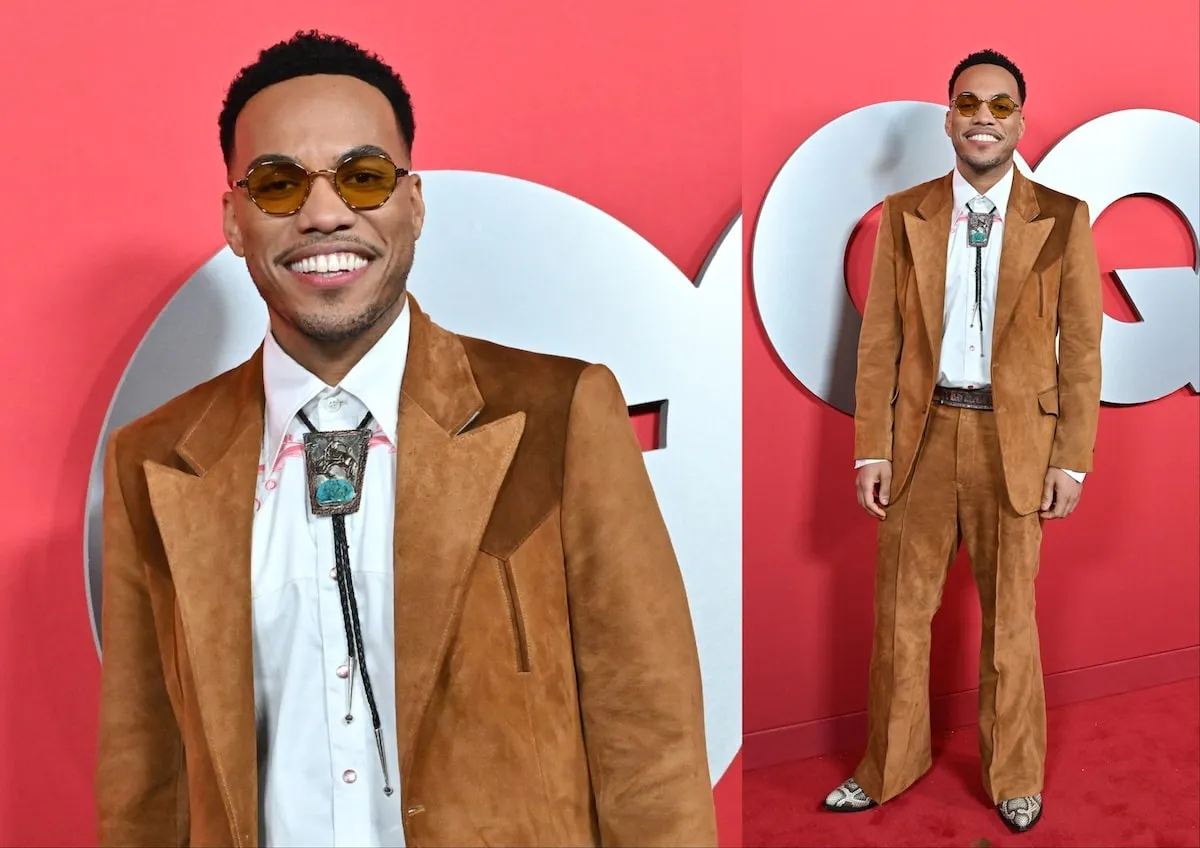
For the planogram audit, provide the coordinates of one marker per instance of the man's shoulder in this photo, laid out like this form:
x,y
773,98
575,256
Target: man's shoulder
x,y
910,198
1053,203
519,375
155,434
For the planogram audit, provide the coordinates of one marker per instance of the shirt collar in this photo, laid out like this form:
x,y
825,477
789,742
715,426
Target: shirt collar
x,y
998,194
375,380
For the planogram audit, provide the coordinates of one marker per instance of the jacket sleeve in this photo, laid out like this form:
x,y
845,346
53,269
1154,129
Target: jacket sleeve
x,y
879,345
141,797
1080,319
635,649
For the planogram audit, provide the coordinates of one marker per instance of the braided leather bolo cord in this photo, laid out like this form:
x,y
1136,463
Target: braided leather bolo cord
x,y
350,621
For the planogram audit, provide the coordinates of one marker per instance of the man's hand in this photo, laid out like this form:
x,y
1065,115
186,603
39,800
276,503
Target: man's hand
x,y
1060,494
874,485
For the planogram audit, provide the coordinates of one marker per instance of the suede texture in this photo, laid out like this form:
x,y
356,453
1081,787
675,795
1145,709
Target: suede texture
x,y
970,476
956,496
1046,405
547,681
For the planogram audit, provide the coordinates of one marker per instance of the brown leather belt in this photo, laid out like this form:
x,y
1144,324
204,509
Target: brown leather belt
x,y
964,398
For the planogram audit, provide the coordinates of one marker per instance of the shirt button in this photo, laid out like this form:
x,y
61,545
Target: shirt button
x,y
333,404
972,347
349,776
343,671
333,574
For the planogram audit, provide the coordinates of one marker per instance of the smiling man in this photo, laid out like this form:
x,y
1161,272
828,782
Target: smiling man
x,y
977,399
383,584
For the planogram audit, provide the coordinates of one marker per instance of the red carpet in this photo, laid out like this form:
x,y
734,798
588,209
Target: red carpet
x,y
1121,771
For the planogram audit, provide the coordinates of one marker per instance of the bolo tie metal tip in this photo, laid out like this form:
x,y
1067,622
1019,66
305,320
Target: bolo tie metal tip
x,y
350,690
387,784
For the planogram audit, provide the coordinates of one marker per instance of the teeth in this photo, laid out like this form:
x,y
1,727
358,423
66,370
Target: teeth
x,y
328,263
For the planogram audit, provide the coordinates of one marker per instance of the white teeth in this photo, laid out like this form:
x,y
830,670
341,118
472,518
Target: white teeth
x,y
328,263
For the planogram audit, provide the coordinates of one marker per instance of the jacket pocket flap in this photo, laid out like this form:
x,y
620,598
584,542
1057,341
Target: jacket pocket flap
x,y
1048,400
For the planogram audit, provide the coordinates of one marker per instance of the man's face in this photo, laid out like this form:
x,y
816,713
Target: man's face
x,y
984,142
316,121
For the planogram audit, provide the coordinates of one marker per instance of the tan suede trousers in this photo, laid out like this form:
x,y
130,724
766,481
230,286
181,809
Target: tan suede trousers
x,y
956,495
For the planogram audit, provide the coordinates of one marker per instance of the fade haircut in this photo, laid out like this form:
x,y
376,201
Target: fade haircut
x,y
990,57
306,54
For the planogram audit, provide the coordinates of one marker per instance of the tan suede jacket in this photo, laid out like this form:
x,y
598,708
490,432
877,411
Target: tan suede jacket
x,y
1046,404
547,682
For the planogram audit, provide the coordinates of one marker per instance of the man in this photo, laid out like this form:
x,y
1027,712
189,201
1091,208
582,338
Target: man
x,y
383,584
969,428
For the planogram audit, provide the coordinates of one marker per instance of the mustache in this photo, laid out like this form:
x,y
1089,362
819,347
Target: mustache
x,y
324,241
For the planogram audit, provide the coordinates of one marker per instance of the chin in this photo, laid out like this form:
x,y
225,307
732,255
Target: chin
x,y
332,330
981,166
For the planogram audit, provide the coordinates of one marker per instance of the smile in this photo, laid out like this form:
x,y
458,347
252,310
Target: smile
x,y
983,137
329,263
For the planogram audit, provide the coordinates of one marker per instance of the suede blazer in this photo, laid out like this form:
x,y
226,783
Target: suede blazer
x,y
1047,402
547,681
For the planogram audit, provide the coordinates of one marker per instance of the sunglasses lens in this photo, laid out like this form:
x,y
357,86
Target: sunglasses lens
x,y
366,182
1001,106
277,188
967,104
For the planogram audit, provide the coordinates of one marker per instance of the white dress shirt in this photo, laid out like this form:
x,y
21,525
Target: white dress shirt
x,y
966,358
320,780
966,355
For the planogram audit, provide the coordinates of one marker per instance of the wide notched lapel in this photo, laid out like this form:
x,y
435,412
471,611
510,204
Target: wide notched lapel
x,y
447,478
1024,236
928,233
205,518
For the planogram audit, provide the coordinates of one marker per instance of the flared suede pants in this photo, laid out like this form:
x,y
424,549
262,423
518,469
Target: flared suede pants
x,y
956,495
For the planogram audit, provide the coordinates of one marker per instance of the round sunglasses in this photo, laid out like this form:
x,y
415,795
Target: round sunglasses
x,y
1001,106
362,182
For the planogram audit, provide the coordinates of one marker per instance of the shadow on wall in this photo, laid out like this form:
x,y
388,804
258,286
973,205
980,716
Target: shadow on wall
x,y
200,336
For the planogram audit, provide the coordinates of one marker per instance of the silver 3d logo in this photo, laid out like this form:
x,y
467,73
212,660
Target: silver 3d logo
x,y
848,166
527,266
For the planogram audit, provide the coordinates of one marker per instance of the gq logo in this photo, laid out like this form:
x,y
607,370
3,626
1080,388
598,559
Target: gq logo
x,y
523,265
845,169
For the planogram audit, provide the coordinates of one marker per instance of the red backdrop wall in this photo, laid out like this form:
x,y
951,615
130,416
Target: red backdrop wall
x,y
1120,579
112,187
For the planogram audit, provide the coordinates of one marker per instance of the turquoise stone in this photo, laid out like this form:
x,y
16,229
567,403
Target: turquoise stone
x,y
334,491
978,237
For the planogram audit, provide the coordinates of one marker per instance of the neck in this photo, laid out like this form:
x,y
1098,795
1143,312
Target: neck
x,y
331,361
983,181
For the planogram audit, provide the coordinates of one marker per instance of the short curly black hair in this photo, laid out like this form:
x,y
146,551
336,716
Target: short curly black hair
x,y
990,57
309,53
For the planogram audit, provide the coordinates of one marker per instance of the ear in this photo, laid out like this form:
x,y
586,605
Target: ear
x,y
417,199
233,233
1020,124
947,127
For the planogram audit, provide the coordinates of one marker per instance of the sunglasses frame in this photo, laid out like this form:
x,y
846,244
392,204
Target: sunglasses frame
x,y
954,105
331,173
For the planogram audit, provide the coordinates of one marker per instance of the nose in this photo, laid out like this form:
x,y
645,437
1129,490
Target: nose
x,y
984,114
324,211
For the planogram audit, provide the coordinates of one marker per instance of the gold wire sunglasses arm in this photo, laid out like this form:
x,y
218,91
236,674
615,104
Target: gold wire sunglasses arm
x,y
244,182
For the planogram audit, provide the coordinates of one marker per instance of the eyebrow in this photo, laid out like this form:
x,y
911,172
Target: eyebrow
x,y
360,150
363,150
1012,97
269,157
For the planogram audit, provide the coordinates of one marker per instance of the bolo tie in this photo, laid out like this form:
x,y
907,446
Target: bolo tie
x,y
979,230
334,464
